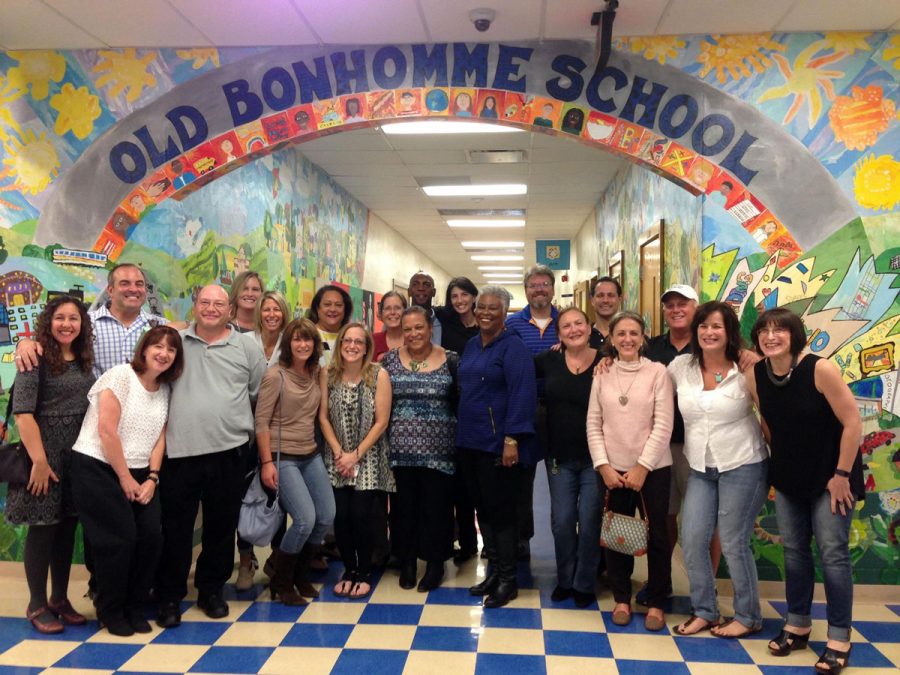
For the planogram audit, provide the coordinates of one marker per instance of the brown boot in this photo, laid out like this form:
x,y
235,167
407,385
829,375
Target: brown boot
x,y
307,590
282,584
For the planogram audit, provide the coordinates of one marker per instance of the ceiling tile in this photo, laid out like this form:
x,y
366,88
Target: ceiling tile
x,y
572,21
685,17
238,22
364,21
515,19
27,24
838,15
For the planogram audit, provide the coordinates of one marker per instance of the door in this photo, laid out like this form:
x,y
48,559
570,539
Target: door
x,y
651,251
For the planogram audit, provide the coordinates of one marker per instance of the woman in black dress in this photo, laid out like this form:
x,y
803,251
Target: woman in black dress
x,y
49,403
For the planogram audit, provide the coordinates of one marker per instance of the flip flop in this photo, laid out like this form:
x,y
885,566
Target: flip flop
x,y
356,593
343,588
744,633
707,625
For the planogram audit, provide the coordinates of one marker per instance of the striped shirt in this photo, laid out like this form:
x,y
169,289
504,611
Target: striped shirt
x,y
114,344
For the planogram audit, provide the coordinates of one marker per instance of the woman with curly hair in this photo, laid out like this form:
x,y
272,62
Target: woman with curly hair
x,y
49,403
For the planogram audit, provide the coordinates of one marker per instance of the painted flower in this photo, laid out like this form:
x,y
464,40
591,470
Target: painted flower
x,y
36,69
877,182
77,108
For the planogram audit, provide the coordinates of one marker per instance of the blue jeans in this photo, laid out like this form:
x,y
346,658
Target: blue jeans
x,y
730,501
304,490
575,511
798,520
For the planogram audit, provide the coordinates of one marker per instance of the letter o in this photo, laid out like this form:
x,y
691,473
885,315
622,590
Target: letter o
x,y
698,138
117,162
674,104
819,342
288,90
379,67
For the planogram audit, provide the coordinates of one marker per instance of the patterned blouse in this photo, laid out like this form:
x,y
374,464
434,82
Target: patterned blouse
x,y
423,424
351,411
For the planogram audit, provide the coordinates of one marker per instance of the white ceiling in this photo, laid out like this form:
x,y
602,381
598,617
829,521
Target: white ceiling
x,y
564,177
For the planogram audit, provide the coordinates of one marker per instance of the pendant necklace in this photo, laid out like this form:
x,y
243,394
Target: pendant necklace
x,y
415,366
780,381
623,396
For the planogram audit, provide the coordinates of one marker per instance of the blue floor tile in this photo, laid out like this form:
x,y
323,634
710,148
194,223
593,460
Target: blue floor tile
x,y
98,655
715,650
490,664
576,643
192,633
271,611
452,596
19,670
786,670
895,609
396,615
818,610
317,635
627,667
511,617
441,639
370,662
863,655
636,625
878,631
232,660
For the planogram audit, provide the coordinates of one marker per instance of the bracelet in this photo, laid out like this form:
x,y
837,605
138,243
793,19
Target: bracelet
x,y
154,478
153,472
268,461
842,473
509,440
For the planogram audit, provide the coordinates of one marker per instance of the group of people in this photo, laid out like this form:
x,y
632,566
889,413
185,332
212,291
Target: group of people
x,y
448,410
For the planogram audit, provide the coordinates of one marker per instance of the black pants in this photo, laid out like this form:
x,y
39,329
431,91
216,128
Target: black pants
x,y
496,490
215,482
619,567
525,506
353,528
126,536
464,511
423,514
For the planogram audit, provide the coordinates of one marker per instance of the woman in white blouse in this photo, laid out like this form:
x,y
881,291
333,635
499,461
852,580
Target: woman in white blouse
x,y
729,460
115,472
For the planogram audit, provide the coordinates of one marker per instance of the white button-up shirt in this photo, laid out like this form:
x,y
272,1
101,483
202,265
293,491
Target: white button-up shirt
x,y
720,429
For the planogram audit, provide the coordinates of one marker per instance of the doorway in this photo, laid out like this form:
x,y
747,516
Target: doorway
x,y
651,255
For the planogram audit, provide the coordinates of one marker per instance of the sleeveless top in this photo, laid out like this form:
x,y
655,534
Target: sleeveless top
x,y
805,433
351,411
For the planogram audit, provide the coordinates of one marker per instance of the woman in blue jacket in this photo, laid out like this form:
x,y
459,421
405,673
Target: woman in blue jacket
x,y
495,434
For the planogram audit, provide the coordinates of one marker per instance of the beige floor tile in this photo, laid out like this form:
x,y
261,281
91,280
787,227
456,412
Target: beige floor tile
x,y
388,591
332,612
874,613
256,633
105,636
473,572
820,631
429,663
37,653
644,647
890,649
375,636
453,616
716,669
759,652
80,671
566,619
511,641
308,660
165,658
578,665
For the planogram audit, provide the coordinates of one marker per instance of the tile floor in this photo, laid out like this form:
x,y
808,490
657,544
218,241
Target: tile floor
x,y
445,631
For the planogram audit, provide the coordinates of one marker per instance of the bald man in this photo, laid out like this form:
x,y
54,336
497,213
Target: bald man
x,y
208,434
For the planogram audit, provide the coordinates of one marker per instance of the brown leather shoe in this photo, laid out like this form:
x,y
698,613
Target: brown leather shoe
x,y
67,613
45,621
621,617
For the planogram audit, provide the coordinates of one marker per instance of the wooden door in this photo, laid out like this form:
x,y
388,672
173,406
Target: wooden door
x,y
651,251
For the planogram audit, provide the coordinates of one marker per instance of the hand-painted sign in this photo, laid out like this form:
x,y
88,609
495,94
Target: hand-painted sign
x,y
554,253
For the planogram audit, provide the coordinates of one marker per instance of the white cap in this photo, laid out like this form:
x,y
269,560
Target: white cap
x,y
683,290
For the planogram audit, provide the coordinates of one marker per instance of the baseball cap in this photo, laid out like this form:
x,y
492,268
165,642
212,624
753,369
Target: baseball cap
x,y
683,290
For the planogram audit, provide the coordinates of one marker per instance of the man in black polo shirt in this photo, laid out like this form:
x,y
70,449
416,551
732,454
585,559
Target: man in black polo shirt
x,y
606,299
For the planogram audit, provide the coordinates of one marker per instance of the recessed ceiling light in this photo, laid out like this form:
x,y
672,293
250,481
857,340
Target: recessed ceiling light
x,y
484,222
502,275
497,258
500,268
493,244
446,127
484,190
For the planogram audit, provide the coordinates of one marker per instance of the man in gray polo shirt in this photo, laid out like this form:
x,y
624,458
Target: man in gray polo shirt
x,y
209,429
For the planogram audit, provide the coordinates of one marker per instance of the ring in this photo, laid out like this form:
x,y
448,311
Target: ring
x,y
16,357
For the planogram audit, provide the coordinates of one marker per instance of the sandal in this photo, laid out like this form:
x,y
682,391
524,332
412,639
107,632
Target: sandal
x,y
357,592
787,642
682,628
747,630
835,659
45,621
67,613
343,588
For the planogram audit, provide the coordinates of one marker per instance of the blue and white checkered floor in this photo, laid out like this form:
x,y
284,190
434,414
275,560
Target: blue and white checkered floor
x,y
445,631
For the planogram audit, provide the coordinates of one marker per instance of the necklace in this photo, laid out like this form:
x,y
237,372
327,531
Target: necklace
x,y
623,396
780,381
580,363
416,366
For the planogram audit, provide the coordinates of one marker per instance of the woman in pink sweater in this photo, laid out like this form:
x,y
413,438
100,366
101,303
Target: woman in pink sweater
x,y
629,423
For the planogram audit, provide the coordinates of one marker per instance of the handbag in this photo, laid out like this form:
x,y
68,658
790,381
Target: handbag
x,y
625,534
261,514
15,464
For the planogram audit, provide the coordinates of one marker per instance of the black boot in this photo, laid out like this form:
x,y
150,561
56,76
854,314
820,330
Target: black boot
x,y
434,575
301,569
487,586
506,591
282,584
408,574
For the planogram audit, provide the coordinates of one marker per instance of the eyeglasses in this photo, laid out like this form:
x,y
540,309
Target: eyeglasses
x,y
218,304
774,330
358,342
539,284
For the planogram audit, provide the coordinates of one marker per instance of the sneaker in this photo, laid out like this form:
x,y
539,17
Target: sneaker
x,y
213,606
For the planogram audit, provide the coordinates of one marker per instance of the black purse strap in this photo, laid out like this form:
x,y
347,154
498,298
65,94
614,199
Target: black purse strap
x,y
642,505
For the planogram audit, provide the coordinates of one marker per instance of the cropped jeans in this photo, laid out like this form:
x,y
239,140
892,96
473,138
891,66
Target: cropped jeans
x,y
730,500
575,510
798,520
304,490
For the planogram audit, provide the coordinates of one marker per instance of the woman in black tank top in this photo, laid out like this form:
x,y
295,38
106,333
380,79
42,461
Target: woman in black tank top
x,y
814,430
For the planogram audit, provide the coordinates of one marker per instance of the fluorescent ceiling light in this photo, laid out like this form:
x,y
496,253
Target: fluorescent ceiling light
x,y
483,190
502,275
500,268
497,258
493,244
446,127
484,222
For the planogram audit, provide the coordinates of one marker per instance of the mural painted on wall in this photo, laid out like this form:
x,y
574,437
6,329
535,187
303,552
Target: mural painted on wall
x,y
838,94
